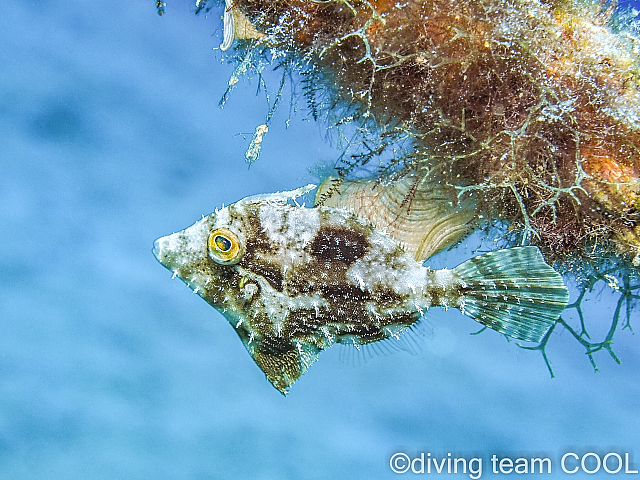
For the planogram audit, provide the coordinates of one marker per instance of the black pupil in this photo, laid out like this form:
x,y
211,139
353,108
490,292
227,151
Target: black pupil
x,y
223,243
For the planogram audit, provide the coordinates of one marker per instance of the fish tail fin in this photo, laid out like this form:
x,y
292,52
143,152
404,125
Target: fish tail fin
x,y
512,291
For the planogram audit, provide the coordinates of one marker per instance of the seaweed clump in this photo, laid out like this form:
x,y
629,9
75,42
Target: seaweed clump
x,y
525,111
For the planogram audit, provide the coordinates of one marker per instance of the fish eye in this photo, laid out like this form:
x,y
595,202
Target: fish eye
x,y
222,243
225,247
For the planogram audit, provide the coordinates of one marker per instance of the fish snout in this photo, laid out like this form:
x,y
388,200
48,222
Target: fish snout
x,y
161,250
168,251
156,249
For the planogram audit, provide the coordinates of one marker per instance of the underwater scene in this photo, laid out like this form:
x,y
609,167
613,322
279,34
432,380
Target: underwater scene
x,y
421,218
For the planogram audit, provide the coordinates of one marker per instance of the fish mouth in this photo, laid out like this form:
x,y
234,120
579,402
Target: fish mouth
x,y
156,249
159,250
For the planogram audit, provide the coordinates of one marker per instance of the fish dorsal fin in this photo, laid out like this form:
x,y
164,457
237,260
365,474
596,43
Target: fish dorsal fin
x,y
422,216
278,197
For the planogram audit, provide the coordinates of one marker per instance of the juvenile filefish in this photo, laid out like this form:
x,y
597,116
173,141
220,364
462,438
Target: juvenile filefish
x,y
292,281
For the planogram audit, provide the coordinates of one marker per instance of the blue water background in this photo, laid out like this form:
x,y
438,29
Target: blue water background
x,y
110,136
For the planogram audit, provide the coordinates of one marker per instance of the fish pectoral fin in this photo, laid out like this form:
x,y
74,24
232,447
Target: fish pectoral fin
x,y
282,361
512,291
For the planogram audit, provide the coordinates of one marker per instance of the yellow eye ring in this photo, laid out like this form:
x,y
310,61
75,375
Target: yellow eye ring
x,y
225,247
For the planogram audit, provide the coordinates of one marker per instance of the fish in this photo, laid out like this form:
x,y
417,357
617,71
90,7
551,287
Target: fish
x,y
293,281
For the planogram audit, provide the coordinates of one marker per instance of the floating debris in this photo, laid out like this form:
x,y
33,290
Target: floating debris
x,y
253,152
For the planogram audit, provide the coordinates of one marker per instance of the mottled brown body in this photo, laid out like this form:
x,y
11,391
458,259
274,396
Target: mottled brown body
x,y
305,278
